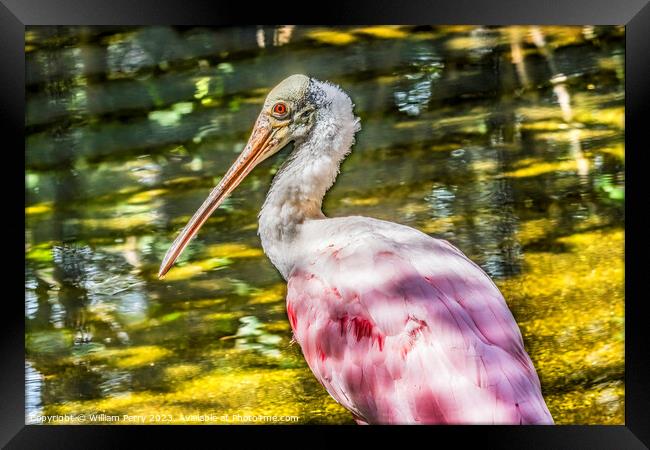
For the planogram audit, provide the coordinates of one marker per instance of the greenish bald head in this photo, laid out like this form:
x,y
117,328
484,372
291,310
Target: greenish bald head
x,y
288,108
291,89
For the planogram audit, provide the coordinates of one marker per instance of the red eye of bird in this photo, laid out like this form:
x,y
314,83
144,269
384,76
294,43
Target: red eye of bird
x,y
280,109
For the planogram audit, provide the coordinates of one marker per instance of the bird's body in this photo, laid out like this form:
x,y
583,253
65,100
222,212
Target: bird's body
x,y
398,327
403,328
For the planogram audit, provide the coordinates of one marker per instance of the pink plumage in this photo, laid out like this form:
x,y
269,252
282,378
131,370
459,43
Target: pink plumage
x,y
403,328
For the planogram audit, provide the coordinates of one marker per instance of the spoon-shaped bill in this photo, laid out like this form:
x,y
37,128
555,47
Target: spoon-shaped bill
x,y
262,143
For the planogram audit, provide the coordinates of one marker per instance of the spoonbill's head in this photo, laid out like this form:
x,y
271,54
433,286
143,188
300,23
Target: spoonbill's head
x,y
288,114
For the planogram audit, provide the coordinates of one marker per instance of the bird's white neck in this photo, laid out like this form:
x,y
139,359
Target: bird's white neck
x,y
296,194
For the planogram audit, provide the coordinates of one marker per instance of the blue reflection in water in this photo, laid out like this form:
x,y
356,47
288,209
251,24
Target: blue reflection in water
x,y
33,392
251,336
425,68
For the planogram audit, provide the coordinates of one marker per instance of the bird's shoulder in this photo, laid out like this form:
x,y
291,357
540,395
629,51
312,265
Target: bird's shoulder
x,y
354,234
365,246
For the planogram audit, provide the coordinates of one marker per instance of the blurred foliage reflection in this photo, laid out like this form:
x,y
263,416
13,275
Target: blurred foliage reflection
x,y
508,142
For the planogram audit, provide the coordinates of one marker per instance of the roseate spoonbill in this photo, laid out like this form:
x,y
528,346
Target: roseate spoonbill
x,y
398,327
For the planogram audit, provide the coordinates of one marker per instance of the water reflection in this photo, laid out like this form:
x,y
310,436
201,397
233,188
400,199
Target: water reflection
x,y
33,387
508,142
425,68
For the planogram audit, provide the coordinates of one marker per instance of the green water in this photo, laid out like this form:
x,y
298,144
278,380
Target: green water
x,y
508,142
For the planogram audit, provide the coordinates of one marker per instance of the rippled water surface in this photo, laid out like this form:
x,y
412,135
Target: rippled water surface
x,y
508,142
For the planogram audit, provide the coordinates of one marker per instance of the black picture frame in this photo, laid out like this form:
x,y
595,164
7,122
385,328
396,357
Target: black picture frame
x,y
634,14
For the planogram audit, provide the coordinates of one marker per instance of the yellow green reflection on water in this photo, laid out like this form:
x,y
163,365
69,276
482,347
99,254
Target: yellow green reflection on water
x,y
521,167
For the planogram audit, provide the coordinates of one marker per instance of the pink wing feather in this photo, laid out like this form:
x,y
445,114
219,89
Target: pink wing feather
x,y
403,328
